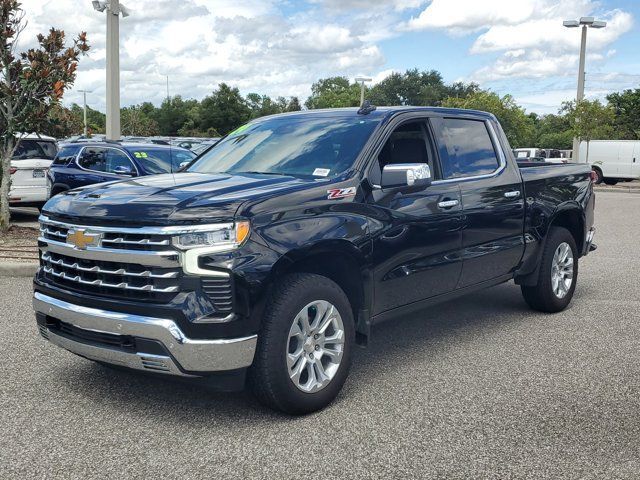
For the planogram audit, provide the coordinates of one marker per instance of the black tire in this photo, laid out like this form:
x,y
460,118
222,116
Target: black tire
x,y
269,375
541,296
610,181
599,176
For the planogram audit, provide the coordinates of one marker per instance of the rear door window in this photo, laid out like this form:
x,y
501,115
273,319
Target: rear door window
x,y
466,148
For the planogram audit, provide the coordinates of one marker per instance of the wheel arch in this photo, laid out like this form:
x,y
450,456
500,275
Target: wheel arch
x,y
343,263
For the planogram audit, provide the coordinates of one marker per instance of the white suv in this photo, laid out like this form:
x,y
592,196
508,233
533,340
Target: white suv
x,y
29,166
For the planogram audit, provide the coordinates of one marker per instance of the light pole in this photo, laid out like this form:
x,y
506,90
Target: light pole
x,y
113,9
84,95
362,80
585,22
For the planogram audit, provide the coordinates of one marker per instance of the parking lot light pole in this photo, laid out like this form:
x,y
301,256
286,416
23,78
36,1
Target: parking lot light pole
x,y
585,22
362,80
84,95
113,9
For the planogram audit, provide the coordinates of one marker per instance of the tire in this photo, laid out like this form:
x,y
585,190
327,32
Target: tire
x,y
599,176
543,296
269,376
610,181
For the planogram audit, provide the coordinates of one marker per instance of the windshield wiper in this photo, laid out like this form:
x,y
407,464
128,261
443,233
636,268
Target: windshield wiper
x,y
261,173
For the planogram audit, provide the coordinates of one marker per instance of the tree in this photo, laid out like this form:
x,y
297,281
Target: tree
x,y
224,110
626,106
552,131
96,120
31,83
334,92
517,125
62,122
136,122
589,119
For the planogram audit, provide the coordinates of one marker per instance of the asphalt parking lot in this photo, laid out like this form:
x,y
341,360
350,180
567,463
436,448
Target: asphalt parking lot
x,y
477,388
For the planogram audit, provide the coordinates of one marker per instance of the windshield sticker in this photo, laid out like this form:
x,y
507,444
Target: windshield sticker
x,y
240,129
140,154
336,193
321,172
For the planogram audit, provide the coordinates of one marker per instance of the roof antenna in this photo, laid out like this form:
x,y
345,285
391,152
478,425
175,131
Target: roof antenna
x,y
366,108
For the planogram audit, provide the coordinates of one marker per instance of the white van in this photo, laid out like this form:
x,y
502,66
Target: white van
x,y
612,160
29,166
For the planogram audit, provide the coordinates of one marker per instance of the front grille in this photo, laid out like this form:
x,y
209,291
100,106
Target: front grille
x,y
220,292
111,279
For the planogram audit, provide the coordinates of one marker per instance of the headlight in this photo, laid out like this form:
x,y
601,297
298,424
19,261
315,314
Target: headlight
x,y
227,237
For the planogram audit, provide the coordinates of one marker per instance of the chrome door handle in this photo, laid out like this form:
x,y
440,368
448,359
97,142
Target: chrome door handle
x,y
448,203
514,194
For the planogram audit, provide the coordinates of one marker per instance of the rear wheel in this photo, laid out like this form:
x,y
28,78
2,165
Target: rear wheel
x,y
304,347
557,275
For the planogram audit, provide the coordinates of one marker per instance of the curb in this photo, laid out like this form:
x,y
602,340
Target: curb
x,y
18,269
617,189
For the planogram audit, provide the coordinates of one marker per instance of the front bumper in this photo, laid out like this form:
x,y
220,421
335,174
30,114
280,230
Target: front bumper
x,y
174,354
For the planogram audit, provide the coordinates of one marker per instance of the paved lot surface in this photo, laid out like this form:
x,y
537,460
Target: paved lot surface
x,y
478,388
25,217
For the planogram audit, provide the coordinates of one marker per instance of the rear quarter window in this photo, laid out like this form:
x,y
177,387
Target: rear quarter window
x,y
66,154
468,148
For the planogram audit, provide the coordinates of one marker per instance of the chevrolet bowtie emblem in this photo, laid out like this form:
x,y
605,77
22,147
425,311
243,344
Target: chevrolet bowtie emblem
x,y
81,239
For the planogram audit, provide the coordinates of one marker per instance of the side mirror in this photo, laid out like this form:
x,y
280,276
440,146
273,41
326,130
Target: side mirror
x,y
123,170
184,165
402,175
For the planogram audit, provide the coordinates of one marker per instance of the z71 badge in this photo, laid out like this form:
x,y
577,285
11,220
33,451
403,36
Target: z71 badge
x,y
337,193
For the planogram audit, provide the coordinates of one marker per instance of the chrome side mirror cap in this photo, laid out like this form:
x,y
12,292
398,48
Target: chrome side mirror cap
x,y
401,175
122,170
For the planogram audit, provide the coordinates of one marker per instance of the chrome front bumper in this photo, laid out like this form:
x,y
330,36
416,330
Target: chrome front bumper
x,y
188,357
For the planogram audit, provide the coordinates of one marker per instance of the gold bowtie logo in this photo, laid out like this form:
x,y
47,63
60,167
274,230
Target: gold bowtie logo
x,y
81,240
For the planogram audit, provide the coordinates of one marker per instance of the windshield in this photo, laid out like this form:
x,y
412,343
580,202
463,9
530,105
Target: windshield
x,y
35,149
300,146
161,160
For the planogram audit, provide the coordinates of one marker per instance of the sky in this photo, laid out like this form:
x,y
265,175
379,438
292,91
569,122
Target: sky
x,y
280,47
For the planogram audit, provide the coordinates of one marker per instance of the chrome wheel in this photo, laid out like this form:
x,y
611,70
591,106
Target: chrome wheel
x,y
315,346
562,270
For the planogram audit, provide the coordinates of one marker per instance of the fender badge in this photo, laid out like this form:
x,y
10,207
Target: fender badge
x,y
336,193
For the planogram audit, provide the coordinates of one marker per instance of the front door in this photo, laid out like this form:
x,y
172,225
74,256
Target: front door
x,y
416,236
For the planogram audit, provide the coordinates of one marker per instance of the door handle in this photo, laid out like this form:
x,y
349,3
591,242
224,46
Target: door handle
x,y
448,203
514,194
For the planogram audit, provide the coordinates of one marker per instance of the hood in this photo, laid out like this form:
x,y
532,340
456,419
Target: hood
x,y
170,198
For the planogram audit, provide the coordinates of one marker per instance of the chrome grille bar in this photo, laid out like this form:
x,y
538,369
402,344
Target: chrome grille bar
x,y
95,269
164,258
143,241
102,283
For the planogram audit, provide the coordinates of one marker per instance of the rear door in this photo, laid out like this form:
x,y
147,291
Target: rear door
x,y
492,197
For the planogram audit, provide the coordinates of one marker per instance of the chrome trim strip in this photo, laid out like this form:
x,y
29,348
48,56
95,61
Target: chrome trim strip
x,y
191,354
169,230
168,258
102,283
121,271
143,241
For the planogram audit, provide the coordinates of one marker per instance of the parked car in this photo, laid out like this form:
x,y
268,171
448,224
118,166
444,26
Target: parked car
x,y
550,155
279,249
81,164
612,161
29,164
204,146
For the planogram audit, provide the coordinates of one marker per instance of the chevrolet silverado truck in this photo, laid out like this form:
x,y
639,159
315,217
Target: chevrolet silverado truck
x,y
272,255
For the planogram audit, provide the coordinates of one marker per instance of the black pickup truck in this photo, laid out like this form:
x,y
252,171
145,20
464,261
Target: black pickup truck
x,y
272,255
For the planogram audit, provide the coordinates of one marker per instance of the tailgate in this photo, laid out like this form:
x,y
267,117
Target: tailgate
x,y
30,173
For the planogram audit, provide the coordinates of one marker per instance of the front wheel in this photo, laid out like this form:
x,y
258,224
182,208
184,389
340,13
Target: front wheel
x,y
304,346
557,275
